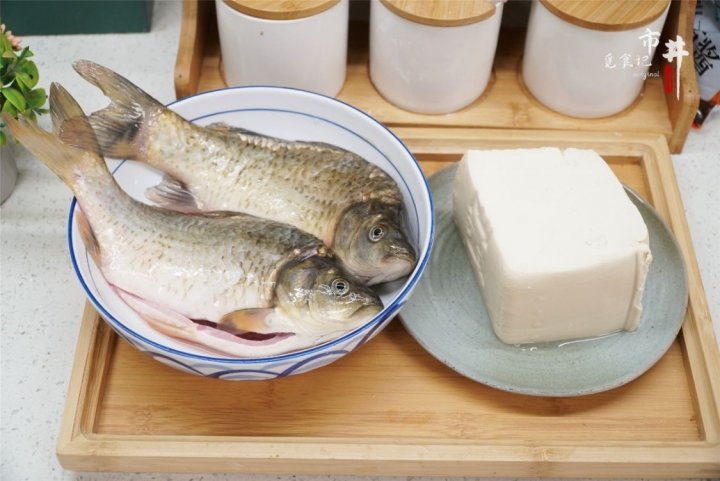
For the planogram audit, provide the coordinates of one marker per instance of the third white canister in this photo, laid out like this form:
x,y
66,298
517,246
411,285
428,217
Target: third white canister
x,y
590,58
301,44
432,56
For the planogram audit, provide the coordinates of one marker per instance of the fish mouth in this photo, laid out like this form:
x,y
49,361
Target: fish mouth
x,y
367,312
394,266
397,263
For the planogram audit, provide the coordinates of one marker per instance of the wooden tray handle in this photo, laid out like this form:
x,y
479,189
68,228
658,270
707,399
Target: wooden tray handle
x,y
196,20
681,110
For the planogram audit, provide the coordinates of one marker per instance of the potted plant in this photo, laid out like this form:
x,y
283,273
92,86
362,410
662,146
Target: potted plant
x,y
18,97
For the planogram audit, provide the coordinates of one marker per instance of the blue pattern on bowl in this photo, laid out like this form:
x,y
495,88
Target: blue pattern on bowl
x,y
299,361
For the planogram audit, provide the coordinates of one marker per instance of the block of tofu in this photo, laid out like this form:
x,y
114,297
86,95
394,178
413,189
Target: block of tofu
x,y
558,249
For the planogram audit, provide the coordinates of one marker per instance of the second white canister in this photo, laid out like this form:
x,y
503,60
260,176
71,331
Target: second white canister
x,y
432,56
590,59
287,44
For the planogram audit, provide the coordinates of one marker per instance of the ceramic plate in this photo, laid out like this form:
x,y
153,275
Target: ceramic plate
x,y
448,317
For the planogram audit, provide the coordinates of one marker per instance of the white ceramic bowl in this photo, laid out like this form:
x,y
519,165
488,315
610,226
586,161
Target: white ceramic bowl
x,y
291,114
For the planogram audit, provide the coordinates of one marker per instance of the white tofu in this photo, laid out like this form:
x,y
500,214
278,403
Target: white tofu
x,y
558,249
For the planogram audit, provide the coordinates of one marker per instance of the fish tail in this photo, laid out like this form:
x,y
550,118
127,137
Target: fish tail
x,y
118,125
66,161
70,123
62,106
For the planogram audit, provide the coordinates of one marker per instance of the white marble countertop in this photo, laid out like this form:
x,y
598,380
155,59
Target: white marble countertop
x,y
42,301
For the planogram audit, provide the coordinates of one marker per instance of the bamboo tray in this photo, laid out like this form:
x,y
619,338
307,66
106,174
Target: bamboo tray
x,y
390,408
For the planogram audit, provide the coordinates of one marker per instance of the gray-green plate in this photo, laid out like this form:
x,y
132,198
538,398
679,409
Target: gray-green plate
x,y
447,316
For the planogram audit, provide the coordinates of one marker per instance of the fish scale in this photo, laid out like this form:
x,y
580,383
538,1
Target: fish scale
x,y
241,165
235,274
150,246
152,249
336,195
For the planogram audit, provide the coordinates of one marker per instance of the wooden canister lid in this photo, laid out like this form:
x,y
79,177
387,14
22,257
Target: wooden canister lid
x,y
281,9
442,13
607,15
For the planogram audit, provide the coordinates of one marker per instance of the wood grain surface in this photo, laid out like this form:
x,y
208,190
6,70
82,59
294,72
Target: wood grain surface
x,y
195,27
607,15
390,389
442,13
391,408
281,9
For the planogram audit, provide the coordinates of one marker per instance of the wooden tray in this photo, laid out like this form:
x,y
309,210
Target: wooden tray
x,y
390,408
506,102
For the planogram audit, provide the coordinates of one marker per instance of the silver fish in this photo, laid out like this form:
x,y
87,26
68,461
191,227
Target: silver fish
x,y
336,195
232,282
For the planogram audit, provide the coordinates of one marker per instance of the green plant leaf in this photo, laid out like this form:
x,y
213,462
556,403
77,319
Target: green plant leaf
x,y
9,61
5,44
29,73
4,67
14,97
24,82
25,53
8,107
3,138
37,98
20,84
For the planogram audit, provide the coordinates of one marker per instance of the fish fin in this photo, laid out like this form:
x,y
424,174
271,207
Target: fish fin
x,y
173,194
63,159
247,320
69,121
321,145
176,325
163,319
118,125
115,86
62,106
231,129
88,237
224,214
116,129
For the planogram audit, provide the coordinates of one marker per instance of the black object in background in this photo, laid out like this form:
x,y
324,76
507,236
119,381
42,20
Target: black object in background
x,y
43,17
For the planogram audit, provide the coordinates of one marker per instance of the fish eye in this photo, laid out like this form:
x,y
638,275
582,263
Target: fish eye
x,y
376,233
340,287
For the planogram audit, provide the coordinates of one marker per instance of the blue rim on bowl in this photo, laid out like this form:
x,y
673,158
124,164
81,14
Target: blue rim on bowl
x,y
388,311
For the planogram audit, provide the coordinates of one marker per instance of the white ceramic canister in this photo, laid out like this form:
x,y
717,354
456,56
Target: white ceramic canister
x,y
590,58
432,56
301,44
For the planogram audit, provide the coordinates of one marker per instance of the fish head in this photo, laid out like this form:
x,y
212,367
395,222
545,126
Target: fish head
x,y
372,243
323,298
